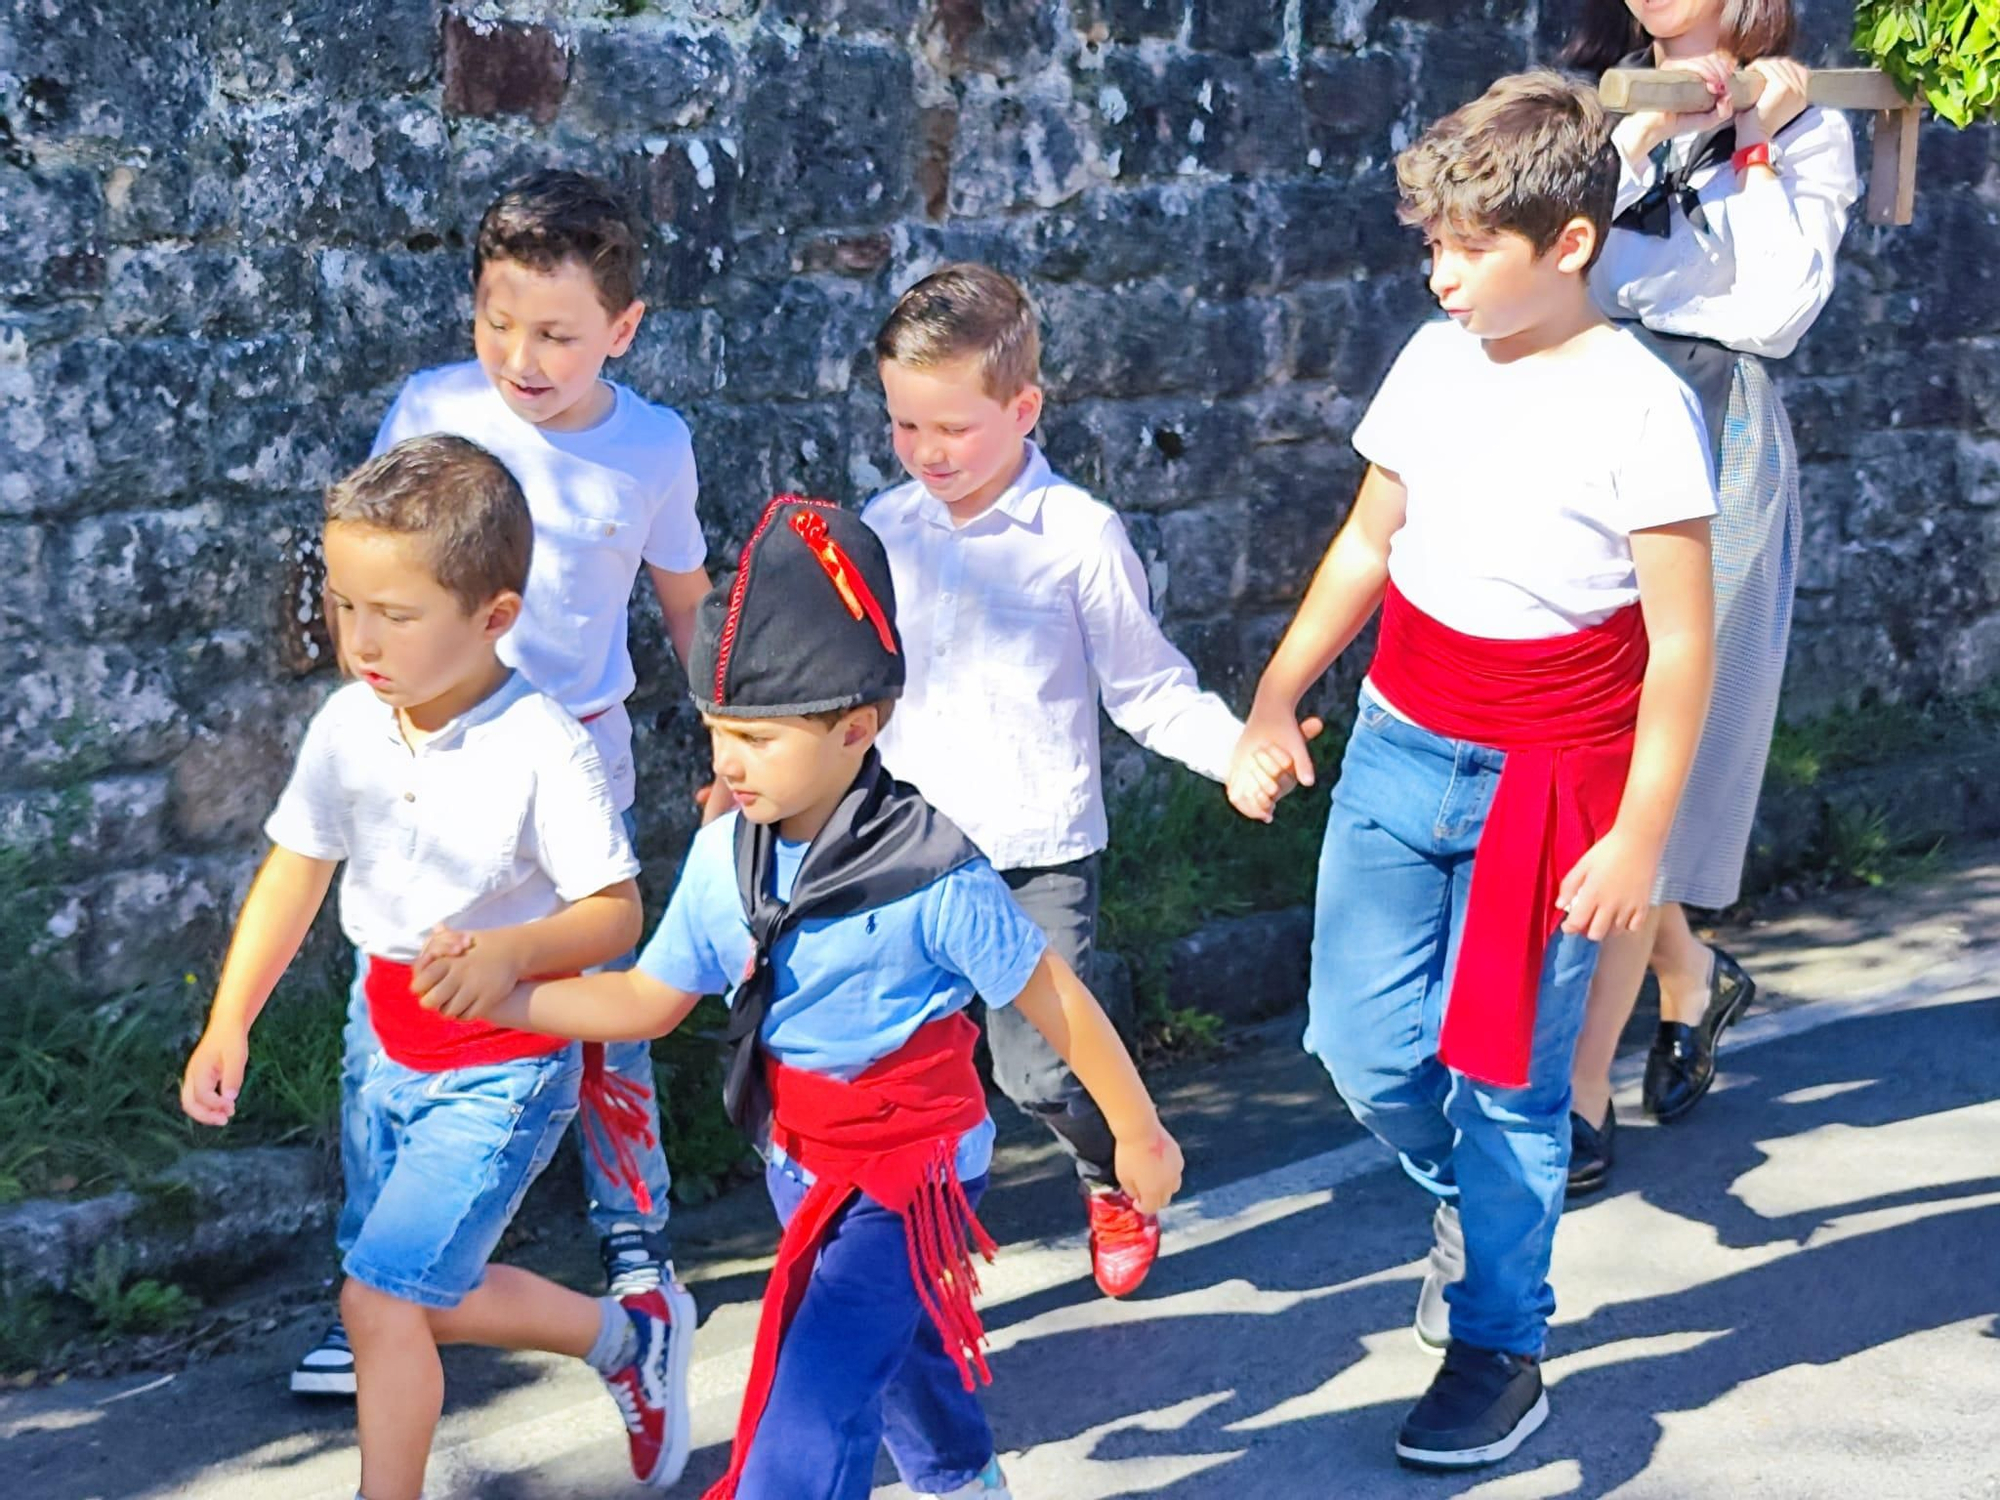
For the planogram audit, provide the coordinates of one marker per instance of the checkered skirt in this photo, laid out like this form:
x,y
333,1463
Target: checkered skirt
x,y
1756,539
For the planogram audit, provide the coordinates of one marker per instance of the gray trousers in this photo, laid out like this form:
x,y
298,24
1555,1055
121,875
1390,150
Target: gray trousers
x,y
1062,901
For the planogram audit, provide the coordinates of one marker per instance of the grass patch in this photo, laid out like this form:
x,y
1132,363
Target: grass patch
x,y
1180,856
1876,734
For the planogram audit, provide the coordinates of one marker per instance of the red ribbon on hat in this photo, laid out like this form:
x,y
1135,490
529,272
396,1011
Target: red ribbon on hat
x,y
854,591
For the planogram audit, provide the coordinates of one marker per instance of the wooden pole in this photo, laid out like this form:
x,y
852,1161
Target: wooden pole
x,y
1628,90
1892,183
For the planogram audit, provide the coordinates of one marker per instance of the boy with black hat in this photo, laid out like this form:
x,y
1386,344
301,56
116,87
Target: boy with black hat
x,y
853,924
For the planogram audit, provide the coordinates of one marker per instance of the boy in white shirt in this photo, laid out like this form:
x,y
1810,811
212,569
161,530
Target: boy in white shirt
x,y
610,479
1536,477
456,795
1022,605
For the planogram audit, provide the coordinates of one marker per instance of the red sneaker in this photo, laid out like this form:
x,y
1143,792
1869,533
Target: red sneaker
x,y
651,1392
1123,1242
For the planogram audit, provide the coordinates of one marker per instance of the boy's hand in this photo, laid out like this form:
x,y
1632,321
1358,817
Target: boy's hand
x,y
1149,1169
1609,890
461,978
214,1077
1270,760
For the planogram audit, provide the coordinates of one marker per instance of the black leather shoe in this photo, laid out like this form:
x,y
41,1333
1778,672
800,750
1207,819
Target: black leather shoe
x,y
1590,1153
1681,1065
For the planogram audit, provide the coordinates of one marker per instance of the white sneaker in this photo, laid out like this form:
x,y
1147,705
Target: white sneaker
x,y
988,1484
327,1369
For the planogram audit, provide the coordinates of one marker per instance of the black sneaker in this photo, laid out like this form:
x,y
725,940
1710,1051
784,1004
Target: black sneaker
x,y
1480,1408
328,1367
635,1261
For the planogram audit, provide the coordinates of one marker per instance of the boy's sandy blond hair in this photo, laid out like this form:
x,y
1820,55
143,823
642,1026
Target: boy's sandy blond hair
x,y
1529,155
967,310
457,501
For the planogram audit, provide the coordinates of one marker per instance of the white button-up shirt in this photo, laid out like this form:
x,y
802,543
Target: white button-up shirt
x,y
503,816
1013,625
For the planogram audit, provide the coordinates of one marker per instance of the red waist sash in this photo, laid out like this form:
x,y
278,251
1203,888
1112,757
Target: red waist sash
x,y
891,1133
1563,709
613,1111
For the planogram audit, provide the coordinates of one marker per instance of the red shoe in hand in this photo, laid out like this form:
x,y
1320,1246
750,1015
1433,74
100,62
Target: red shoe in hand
x,y
1123,1241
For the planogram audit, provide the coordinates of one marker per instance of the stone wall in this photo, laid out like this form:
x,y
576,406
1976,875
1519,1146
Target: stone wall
x,y
233,226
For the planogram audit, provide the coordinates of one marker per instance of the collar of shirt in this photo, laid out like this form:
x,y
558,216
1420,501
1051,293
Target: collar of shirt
x,y
1020,502
453,730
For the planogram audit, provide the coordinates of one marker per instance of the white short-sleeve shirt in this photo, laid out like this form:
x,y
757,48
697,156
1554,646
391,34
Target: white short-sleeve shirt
x,y
1527,479
604,500
504,816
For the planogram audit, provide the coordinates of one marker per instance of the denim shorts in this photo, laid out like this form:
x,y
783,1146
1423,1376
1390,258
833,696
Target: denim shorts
x,y
449,1157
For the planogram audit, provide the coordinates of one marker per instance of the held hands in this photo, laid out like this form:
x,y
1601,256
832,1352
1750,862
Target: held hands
x,y
1637,134
1610,889
1149,1168
1271,758
461,978
214,1077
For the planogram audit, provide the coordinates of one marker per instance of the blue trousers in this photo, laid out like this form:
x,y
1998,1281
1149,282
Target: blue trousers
x,y
862,1365
1394,874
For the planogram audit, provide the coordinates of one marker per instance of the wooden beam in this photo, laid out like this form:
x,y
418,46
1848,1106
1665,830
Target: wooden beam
x,y
1892,181
1629,90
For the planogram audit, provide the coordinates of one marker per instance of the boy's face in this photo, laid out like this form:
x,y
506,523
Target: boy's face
x,y
397,628
1495,286
960,443
783,767
543,337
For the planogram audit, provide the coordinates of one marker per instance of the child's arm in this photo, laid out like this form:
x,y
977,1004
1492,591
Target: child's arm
x,y
1061,1009
680,595
1344,593
627,1005
283,900
1611,887
462,973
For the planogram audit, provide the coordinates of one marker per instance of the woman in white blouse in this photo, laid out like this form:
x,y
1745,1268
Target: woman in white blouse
x,y
1721,256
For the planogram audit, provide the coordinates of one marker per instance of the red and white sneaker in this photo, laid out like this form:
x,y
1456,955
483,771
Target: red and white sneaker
x,y
1123,1241
651,1392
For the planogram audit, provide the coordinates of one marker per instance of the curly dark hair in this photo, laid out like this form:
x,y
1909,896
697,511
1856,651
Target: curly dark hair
x,y
552,216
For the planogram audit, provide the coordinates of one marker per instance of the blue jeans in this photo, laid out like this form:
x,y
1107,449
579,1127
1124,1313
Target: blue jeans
x,y
450,1156
1393,878
861,1365
609,1202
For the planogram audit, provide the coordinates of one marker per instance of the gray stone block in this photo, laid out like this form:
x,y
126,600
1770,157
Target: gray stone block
x,y
639,80
1243,968
830,134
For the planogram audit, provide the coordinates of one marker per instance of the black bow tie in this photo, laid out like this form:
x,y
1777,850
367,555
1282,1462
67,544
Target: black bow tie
x,y
1654,213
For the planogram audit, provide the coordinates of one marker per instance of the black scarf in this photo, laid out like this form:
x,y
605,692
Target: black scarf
x,y
882,843
1654,212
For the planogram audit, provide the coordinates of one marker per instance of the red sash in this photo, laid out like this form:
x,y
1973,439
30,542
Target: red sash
x,y
891,1133
610,1107
1563,709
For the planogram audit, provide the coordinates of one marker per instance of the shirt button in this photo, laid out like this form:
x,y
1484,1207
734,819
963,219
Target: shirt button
x,y
409,796
609,529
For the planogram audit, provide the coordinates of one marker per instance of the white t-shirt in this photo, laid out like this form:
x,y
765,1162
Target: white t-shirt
x,y
504,816
604,500
1526,480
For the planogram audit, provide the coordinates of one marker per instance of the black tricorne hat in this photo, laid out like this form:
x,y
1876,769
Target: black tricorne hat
x,y
808,625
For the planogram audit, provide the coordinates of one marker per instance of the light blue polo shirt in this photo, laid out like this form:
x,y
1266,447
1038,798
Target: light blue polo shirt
x,y
850,990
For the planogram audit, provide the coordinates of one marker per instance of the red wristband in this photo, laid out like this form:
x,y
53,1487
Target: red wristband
x,y
1758,155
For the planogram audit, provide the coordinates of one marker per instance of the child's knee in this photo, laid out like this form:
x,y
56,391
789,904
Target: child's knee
x,y
371,1315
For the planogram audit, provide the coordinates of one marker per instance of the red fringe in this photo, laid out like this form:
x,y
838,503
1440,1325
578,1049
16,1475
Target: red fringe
x,y
615,1108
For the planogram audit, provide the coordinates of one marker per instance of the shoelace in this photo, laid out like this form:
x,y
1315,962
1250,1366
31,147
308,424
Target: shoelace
x,y
1115,1219
628,1407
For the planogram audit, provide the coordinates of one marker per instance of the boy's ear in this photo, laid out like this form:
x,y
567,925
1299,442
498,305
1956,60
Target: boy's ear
x,y
498,614
1026,409
859,729
625,327
1576,245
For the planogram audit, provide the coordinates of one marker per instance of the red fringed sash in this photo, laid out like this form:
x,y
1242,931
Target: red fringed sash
x,y
1563,709
891,1133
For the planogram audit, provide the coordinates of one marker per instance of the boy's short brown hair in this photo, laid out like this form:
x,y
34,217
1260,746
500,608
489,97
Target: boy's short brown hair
x,y
552,216
1529,155
458,499
967,310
